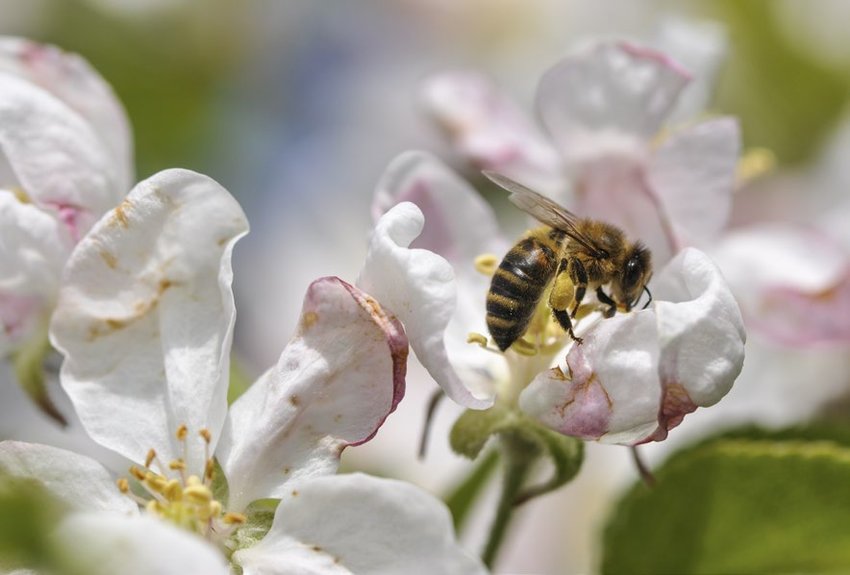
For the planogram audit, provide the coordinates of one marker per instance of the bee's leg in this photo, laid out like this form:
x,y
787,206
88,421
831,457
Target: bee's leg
x,y
560,298
603,297
578,275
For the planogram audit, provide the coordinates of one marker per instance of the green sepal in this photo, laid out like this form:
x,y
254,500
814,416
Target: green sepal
x,y
525,439
259,515
28,362
220,487
749,501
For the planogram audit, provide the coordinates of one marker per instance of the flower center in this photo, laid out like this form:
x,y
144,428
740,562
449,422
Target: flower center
x,y
169,492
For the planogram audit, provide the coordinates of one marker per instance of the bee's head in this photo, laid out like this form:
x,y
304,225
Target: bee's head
x,y
630,283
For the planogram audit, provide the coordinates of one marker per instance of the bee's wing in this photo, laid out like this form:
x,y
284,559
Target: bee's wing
x,y
542,208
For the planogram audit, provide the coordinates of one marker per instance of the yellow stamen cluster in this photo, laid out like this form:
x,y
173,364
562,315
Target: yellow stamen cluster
x,y
186,500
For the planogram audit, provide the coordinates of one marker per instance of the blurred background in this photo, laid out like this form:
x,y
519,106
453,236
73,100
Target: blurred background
x,y
296,107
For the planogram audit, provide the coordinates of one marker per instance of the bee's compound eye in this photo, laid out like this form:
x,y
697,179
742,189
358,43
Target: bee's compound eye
x,y
632,273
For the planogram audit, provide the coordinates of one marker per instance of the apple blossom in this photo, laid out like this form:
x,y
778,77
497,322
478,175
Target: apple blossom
x,y
641,372
65,158
144,319
608,154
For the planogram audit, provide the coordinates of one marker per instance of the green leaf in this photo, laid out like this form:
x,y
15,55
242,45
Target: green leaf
x,y
750,501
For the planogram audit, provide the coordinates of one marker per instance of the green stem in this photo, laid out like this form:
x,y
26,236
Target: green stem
x,y
518,457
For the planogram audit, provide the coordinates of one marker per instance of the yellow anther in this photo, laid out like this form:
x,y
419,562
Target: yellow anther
x,y
486,264
215,508
177,465
477,338
173,490
209,469
198,494
756,162
21,195
193,480
205,433
123,485
182,431
234,518
150,457
523,347
155,482
137,473
153,506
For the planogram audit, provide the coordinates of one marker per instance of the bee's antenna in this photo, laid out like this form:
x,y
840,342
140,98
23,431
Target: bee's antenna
x,y
649,293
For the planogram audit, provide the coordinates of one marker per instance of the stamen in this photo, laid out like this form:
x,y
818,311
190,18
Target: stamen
x,y
150,457
205,433
486,264
475,337
755,163
209,471
123,486
177,464
137,473
233,518
182,431
523,347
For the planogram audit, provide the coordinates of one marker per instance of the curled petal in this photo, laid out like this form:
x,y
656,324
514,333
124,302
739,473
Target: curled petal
x,y
793,282
108,543
637,375
700,334
419,287
145,317
693,175
358,524
78,481
489,129
57,159
610,87
333,386
449,204
72,79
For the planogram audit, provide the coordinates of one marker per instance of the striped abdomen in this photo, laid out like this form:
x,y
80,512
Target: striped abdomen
x,y
518,284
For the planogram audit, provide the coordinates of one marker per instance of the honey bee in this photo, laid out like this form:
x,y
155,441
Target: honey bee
x,y
577,253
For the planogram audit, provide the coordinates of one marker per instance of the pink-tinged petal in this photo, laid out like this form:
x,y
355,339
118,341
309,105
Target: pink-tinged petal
x,y
449,204
692,173
57,158
610,391
109,543
614,188
78,481
637,375
20,317
490,130
793,283
611,86
358,524
419,287
145,317
33,248
701,47
71,78
701,337
333,386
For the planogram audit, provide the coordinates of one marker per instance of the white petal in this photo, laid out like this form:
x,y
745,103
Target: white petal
x,y
57,158
701,47
793,283
106,544
72,79
693,175
449,204
700,334
78,481
489,130
610,87
358,524
333,386
612,392
145,317
33,248
637,375
419,287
